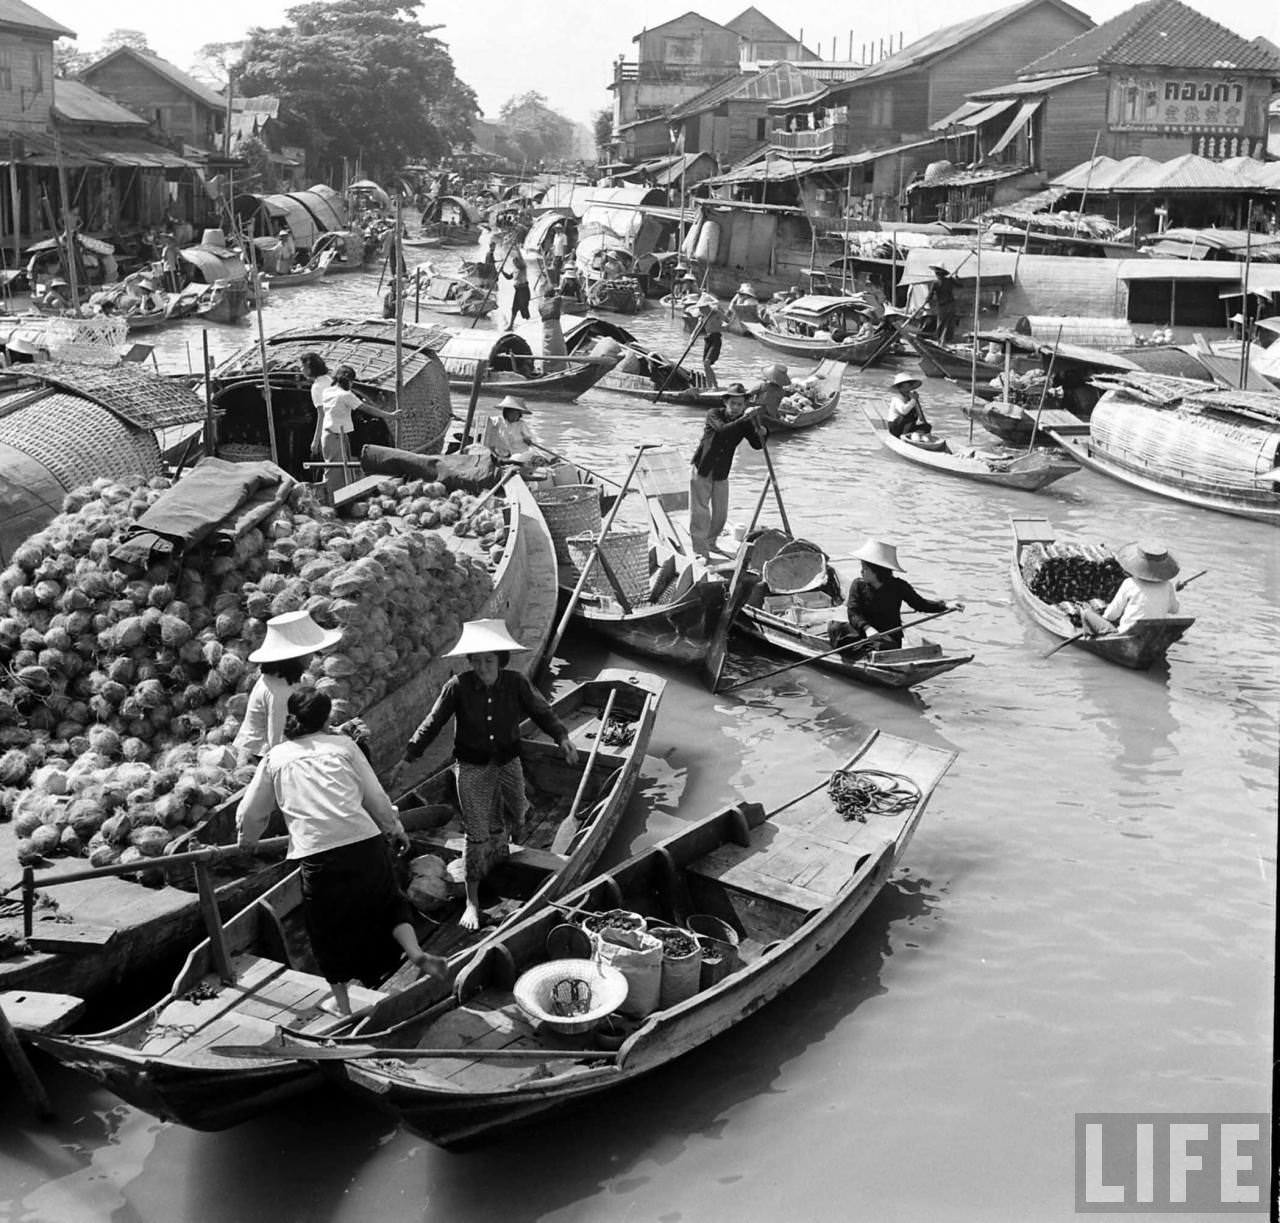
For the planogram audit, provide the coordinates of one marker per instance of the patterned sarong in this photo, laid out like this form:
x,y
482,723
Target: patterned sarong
x,y
493,808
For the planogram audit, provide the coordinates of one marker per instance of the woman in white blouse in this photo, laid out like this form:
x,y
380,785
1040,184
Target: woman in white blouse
x,y
338,404
339,820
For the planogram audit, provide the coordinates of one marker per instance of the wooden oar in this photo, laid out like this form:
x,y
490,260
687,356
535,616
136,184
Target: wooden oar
x,y
702,322
356,1053
1062,645
848,645
595,551
569,825
713,664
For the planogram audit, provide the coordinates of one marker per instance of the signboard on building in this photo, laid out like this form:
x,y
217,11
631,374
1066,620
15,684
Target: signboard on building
x,y
1178,104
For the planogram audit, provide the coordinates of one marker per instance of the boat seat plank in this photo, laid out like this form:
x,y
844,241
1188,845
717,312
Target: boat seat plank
x,y
70,937
29,1010
1032,531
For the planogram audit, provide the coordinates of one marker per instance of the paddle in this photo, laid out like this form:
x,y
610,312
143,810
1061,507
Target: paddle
x,y
556,637
1062,645
356,1053
773,479
713,664
848,645
569,825
1044,390
702,322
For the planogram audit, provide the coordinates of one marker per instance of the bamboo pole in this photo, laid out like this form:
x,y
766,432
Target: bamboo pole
x,y
73,275
248,248
210,427
1044,390
973,362
1246,331
401,285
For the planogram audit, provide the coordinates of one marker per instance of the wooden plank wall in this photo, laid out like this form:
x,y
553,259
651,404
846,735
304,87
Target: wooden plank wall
x,y
1072,118
998,55
22,109
1047,284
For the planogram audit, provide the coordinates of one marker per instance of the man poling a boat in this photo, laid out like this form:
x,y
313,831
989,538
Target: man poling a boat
x,y
1148,593
906,417
942,299
725,427
282,658
486,705
874,605
338,817
711,320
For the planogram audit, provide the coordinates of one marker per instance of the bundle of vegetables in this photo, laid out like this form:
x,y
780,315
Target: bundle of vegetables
x,y
120,695
1064,574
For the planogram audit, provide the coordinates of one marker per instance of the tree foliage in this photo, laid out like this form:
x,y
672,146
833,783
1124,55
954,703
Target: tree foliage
x,y
532,132
136,39
602,127
363,79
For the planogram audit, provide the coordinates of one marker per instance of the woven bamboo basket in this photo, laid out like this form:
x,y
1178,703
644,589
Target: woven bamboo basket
x,y
243,452
569,509
797,567
628,555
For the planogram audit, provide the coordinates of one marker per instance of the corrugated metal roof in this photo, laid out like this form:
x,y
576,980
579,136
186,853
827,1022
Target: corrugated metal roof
x,y
1044,84
1186,173
865,156
962,176
773,169
77,103
1106,174
1164,33
14,12
782,80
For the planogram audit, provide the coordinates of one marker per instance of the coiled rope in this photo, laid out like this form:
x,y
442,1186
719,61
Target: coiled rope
x,y
857,793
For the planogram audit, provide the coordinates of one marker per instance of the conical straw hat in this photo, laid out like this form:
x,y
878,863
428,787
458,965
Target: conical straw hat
x,y
877,552
1149,562
484,637
294,635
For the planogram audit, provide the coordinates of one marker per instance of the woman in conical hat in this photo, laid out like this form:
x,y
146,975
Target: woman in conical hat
x,y
282,658
486,705
1148,593
906,416
876,597
512,439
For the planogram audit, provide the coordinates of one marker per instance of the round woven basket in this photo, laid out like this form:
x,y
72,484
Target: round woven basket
x,y
534,992
627,553
243,452
798,567
569,509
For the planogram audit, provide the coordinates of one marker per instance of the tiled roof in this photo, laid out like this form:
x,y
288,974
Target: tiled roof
x,y
14,12
783,80
171,73
77,103
1160,33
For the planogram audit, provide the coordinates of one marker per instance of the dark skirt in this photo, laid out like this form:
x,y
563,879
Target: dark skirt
x,y
351,903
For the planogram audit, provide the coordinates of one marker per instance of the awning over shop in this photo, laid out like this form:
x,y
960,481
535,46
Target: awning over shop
x,y
1020,120
988,112
963,111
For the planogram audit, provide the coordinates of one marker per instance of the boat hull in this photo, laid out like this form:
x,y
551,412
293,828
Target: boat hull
x,y
679,632
1139,649
1262,507
861,352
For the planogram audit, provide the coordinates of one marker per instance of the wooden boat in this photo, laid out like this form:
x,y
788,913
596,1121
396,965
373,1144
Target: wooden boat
x,y
349,248
672,597
824,396
369,347
1219,450
1141,647
146,320
796,625
316,267
951,360
790,884
1005,468
512,369
165,1060
118,929
451,220
445,294
822,327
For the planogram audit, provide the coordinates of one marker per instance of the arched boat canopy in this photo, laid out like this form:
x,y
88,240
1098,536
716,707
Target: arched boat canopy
x,y
470,215
477,346
307,213
215,263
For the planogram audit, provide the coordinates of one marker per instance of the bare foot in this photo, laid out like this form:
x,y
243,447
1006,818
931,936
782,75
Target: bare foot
x,y
331,1006
470,919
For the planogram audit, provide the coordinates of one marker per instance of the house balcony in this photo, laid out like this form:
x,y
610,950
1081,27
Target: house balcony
x,y
829,141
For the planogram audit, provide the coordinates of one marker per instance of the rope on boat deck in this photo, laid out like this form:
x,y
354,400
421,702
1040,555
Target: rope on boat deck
x,y
857,793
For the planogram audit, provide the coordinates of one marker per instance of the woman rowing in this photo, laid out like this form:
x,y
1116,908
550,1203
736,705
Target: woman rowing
x,y
874,605
906,417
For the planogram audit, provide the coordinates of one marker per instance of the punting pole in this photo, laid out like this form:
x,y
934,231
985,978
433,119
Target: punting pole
x,y
248,248
1044,390
73,274
973,363
210,434
401,285
1246,331
1088,178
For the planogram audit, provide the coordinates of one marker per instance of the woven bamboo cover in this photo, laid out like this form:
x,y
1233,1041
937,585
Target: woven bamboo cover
x,y
77,441
797,567
628,555
569,509
137,397
89,341
1180,444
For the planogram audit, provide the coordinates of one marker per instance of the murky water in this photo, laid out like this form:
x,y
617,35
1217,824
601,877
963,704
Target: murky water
x,y
1085,921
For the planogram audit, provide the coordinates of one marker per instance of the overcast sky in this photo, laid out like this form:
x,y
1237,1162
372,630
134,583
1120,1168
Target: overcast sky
x,y
566,49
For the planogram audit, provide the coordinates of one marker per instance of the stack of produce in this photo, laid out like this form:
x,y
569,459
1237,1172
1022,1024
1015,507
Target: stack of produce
x,y
1068,574
803,397
123,693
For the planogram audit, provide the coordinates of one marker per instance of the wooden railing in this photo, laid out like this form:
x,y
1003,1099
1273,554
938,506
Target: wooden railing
x,y
826,141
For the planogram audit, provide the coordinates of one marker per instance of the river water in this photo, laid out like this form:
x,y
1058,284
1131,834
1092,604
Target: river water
x,y
1084,921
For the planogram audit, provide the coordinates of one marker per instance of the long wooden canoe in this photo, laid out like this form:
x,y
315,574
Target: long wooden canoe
x,y
857,352
1005,468
119,929
316,267
799,631
791,884
1140,647
512,369
165,1059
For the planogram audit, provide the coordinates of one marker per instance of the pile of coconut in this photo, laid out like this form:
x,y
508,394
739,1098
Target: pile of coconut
x,y
120,694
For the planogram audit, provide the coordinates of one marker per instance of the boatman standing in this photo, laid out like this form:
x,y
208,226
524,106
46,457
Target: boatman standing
x,y
711,320
942,298
725,427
